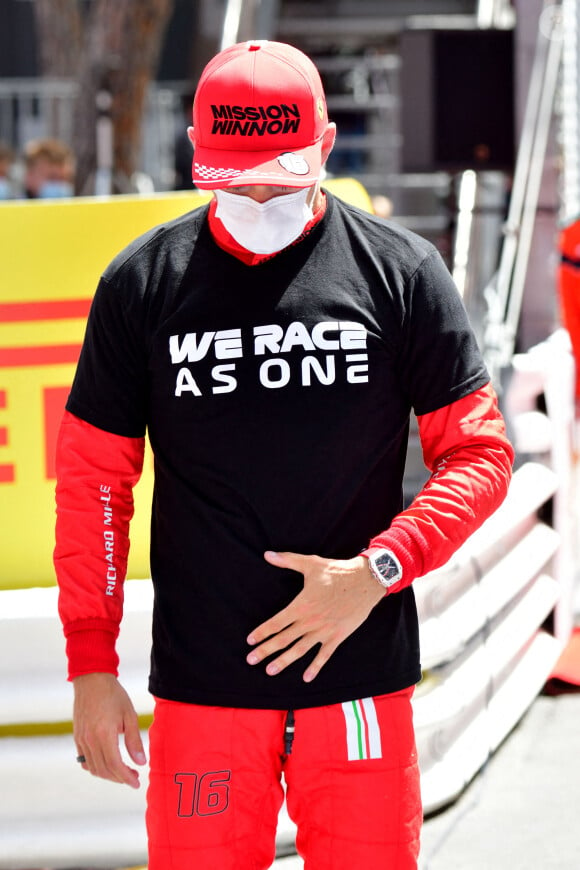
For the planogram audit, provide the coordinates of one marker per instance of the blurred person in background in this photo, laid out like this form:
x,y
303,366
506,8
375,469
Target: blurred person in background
x,y
569,294
182,154
6,162
49,169
382,205
273,344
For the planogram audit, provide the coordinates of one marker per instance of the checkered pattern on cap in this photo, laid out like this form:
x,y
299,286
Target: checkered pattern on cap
x,y
212,173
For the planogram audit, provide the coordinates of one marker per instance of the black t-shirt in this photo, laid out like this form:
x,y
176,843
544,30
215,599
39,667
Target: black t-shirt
x,y
277,401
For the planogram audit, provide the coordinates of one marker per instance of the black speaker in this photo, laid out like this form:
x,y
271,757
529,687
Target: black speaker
x,y
457,100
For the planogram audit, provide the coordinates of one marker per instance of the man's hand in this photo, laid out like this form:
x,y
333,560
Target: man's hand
x,y
103,711
337,597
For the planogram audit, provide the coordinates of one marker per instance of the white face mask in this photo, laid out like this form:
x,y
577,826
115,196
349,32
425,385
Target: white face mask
x,y
5,189
264,227
55,189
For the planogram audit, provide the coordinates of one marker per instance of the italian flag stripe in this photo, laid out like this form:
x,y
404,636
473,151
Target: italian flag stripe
x,y
363,736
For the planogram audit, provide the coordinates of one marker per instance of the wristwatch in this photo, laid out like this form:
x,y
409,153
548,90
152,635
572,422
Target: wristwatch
x,y
385,567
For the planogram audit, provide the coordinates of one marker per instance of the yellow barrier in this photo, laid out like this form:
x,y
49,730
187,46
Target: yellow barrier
x,y
53,253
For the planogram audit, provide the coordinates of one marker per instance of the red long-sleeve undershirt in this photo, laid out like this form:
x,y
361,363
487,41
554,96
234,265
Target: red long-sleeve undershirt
x,y
466,449
96,473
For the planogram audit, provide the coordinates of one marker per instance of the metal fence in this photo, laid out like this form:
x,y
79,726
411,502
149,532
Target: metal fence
x,y
35,108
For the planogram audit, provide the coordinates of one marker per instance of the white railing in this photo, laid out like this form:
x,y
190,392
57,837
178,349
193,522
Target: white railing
x,y
570,111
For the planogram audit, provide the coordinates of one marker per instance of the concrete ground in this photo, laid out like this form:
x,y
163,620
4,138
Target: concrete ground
x,y
521,811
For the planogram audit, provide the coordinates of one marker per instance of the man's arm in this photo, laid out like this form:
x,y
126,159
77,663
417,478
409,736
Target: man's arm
x,y
466,448
96,473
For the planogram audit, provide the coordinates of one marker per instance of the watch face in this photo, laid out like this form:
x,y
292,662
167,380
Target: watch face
x,y
388,568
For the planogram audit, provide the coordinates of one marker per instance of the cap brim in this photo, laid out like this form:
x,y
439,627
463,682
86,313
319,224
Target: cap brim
x,y
215,168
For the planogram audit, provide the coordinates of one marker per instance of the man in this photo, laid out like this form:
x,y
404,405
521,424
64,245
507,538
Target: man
x,y
49,169
569,294
6,161
273,344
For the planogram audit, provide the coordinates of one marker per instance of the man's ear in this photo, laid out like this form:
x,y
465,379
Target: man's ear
x,y
328,139
191,135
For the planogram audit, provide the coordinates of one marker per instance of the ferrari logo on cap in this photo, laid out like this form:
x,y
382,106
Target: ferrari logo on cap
x,y
320,107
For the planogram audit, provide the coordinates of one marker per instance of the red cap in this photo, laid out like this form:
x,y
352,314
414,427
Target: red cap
x,y
259,115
